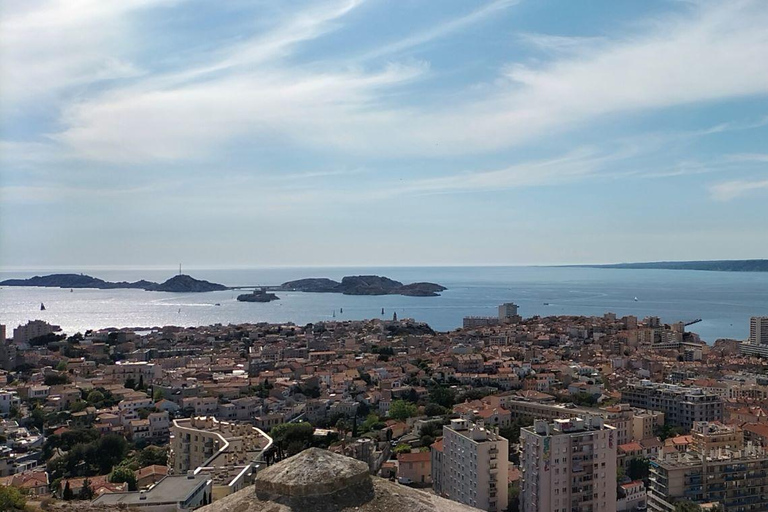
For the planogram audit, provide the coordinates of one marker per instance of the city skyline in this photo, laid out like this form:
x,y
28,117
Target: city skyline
x,y
339,133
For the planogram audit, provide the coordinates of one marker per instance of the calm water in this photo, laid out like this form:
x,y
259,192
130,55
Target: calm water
x,y
724,301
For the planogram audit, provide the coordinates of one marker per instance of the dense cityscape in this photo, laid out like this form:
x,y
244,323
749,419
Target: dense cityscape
x,y
506,413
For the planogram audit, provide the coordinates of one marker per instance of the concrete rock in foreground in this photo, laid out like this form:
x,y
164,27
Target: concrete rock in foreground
x,y
321,481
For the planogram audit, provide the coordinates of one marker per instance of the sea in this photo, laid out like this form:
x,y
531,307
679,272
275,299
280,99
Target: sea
x,y
723,301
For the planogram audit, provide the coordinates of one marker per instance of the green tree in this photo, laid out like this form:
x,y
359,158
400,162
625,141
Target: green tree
x,y
86,491
513,497
402,410
687,506
123,474
291,438
667,430
68,494
95,397
442,396
62,366
55,379
435,410
638,469
130,383
402,448
11,498
157,395
153,456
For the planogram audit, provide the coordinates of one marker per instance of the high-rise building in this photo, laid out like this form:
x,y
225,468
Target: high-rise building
x,y
681,405
758,330
717,468
568,466
508,312
33,329
472,466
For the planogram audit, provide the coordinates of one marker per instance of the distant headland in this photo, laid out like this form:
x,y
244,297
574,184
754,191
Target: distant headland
x,y
181,283
363,285
712,266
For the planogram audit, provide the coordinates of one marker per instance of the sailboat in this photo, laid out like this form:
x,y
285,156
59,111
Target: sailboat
x,y
42,307
341,311
382,311
334,313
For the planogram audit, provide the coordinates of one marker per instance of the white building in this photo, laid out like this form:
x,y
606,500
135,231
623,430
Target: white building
x,y
8,400
229,452
473,466
758,330
568,466
508,312
33,329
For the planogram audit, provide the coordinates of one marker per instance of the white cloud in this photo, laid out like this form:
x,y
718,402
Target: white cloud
x,y
715,53
51,45
729,190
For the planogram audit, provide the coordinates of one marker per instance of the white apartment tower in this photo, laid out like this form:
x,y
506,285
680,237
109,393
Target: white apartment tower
x,y
474,466
568,466
758,330
508,312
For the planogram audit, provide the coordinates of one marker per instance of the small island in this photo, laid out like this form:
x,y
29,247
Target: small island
x,y
181,283
258,295
363,285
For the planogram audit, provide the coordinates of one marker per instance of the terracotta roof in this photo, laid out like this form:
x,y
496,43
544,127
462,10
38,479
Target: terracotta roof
x,y
631,447
438,445
151,470
414,457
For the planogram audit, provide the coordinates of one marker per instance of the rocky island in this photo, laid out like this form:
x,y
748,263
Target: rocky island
x,y
181,283
259,295
363,285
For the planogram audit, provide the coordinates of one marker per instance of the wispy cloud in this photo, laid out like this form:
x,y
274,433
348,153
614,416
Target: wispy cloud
x,y
441,30
730,190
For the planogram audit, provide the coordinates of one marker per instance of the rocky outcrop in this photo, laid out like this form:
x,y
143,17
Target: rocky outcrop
x,y
363,285
321,481
258,296
74,281
312,284
181,283
421,289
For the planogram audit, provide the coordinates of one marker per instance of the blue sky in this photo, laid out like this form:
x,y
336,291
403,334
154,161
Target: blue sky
x,y
371,132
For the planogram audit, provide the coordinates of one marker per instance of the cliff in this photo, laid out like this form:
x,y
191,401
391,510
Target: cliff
x,y
321,481
363,285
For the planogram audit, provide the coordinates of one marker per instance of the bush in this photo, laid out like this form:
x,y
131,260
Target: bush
x,y
11,498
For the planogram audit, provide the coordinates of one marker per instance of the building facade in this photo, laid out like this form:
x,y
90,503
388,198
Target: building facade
x,y
568,466
472,466
717,468
682,406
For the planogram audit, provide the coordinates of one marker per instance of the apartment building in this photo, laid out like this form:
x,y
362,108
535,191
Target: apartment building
x,y
757,344
758,330
229,452
472,466
682,406
717,468
33,329
568,466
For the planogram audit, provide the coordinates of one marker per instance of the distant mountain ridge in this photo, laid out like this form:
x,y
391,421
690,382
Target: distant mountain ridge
x,y
711,265
181,283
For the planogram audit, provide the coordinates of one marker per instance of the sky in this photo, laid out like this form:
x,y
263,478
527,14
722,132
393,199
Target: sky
x,y
373,132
